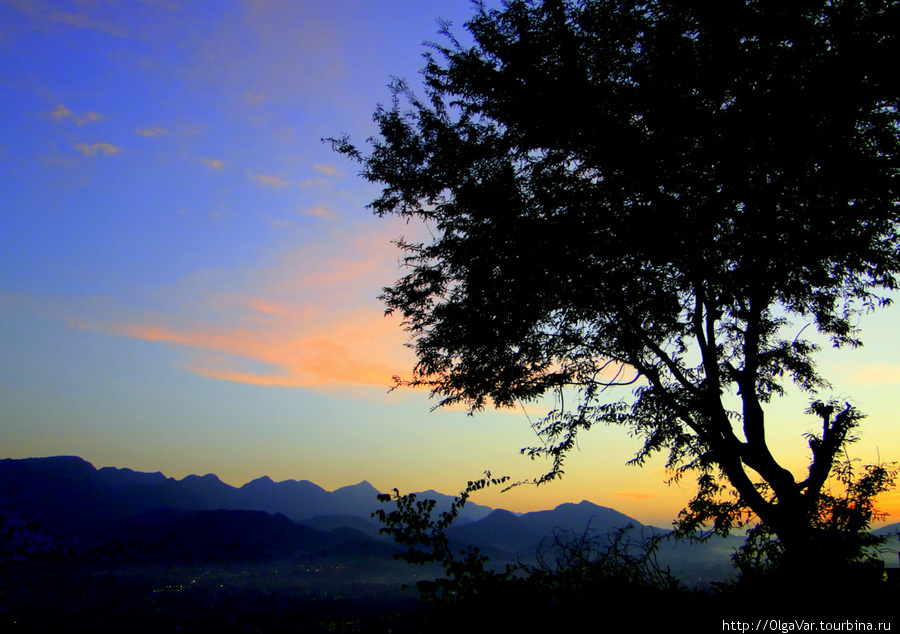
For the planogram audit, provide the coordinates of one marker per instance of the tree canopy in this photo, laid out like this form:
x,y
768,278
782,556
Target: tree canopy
x,y
656,194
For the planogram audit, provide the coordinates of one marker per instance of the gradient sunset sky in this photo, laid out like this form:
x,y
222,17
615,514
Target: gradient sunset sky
x,y
188,275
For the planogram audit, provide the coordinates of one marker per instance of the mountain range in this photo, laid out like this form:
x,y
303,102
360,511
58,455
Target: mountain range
x,y
70,495
200,518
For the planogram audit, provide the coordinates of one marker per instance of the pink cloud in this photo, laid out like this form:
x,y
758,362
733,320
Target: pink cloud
x,y
321,212
325,169
97,148
313,182
61,112
151,132
270,181
362,348
263,305
310,320
216,164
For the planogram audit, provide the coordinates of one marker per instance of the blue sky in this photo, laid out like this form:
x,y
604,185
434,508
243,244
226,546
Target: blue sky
x,y
188,275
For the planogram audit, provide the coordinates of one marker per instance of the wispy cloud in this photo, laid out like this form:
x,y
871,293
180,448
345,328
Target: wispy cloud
x,y
270,181
320,212
151,132
282,45
360,348
313,182
635,495
262,305
256,99
95,16
279,223
325,169
61,113
310,321
216,164
880,373
319,181
286,134
97,148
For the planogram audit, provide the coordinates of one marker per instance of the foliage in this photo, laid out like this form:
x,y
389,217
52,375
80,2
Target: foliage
x,y
842,521
607,563
570,567
661,195
411,524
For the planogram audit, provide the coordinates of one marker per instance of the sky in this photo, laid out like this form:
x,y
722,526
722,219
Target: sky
x,y
189,275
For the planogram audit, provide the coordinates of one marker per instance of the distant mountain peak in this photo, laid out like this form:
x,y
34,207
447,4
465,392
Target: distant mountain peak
x,y
67,466
209,477
363,486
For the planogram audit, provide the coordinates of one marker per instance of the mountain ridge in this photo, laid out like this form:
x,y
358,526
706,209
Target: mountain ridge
x,y
210,519
299,500
69,494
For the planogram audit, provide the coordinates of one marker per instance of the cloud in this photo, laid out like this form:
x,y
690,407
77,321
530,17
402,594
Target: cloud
x,y
168,5
320,212
635,495
124,20
354,349
270,181
311,320
278,223
97,148
74,18
151,132
263,50
297,346
62,113
263,305
325,169
216,164
286,134
317,182
880,373
255,99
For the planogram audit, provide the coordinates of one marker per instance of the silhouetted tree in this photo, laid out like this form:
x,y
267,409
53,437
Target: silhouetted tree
x,y
411,524
621,567
661,195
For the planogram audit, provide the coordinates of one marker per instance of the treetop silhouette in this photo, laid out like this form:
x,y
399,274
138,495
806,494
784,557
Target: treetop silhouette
x,y
669,196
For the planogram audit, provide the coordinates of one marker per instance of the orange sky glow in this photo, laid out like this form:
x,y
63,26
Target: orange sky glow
x,y
189,275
